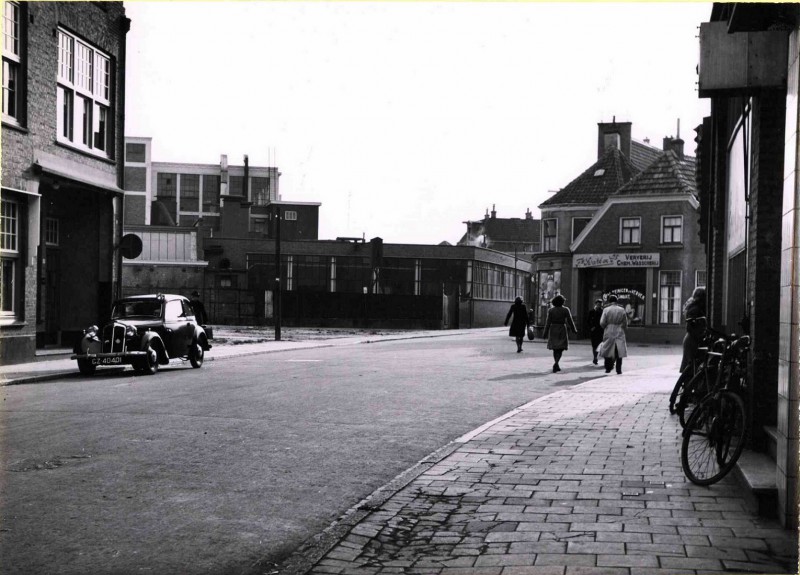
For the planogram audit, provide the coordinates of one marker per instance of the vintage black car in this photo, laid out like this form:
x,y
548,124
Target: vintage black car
x,y
145,331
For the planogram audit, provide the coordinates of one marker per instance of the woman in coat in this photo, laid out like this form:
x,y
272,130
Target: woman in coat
x,y
558,320
614,347
519,325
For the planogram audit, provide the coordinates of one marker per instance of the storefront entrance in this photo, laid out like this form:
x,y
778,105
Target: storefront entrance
x,y
629,285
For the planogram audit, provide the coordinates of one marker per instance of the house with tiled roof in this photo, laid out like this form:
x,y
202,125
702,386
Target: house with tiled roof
x,y
519,236
625,229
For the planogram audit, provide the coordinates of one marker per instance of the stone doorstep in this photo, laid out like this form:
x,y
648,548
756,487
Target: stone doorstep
x,y
756,472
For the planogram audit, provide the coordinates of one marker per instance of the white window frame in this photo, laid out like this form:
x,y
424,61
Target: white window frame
x,y
664,228
630,241
290,216
697,281
9,255
669,298
12,62
83,95
574,235
553,237
51,229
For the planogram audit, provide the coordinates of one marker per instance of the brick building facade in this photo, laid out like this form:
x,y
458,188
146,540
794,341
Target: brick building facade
x,y
626,226
62,140
750,208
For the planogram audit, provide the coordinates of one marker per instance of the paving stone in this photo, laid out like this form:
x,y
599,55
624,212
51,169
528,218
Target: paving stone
x,y
691,563
595,547
565,559
619,560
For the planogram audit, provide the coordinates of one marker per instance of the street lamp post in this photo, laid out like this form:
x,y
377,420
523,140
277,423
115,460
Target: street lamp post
x,y
279,269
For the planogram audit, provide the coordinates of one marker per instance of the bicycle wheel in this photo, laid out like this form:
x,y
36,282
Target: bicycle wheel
x,y
714,438
693,392
679,389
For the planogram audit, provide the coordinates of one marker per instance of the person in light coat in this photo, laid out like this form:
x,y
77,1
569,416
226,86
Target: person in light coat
x,y
614,322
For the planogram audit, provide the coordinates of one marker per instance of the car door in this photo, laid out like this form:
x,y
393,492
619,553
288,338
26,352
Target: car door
x,y
178,328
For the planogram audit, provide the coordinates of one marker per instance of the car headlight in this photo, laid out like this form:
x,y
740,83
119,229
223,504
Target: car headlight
x,y
130,331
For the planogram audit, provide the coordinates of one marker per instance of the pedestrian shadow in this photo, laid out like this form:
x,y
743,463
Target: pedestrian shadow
x,y
568,376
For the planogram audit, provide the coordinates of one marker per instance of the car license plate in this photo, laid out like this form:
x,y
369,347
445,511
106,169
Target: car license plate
x,y
106,360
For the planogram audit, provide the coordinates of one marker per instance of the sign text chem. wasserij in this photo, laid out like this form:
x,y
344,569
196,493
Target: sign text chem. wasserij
x,y
616,260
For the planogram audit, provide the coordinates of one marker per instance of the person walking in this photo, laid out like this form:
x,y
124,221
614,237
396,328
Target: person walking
x,y
558,320
595,331
614,347
198,308
694,311
519,323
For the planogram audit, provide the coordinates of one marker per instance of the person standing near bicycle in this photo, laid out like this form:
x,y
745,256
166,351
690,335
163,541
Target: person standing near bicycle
x,y
614,346
694,311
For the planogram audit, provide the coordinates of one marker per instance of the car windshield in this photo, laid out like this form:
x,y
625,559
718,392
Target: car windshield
x,y
138,308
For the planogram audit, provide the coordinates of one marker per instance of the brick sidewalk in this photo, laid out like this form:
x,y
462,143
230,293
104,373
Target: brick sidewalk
x,y
586,480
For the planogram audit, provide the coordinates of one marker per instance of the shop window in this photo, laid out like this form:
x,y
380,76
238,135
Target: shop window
x,y
550,235
9,254
670,297
671,229
630,231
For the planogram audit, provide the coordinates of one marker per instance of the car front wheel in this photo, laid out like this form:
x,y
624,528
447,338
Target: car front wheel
x,y
196,355
149,363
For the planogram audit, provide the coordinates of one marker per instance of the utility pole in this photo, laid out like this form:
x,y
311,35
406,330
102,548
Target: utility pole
x,y
279,268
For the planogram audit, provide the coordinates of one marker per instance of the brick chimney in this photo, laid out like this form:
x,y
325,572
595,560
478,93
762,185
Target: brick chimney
x,y
674,144
528,214
494,213
614,134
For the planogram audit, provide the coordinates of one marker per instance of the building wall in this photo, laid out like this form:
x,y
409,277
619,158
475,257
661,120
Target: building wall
x,y
75,204
788,443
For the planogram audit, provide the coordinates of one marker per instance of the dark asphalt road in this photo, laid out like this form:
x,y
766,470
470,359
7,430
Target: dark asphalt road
x,y
210,471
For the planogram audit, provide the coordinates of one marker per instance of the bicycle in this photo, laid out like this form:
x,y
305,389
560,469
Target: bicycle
x,y
694,381
714,436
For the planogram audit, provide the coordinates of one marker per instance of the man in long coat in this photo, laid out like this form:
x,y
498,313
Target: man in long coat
x,y
614,347
593,323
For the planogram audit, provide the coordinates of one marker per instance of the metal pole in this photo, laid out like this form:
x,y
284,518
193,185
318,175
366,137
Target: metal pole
x,y
279,278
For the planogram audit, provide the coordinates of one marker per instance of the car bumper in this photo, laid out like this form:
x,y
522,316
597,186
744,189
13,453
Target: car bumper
x,y
126,358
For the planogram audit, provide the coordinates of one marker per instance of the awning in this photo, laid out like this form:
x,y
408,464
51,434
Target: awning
x,y
79,173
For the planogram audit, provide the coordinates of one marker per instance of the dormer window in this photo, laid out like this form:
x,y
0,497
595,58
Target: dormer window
x,y
598,173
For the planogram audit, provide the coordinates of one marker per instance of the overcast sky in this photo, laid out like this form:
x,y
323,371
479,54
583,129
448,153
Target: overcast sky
x,y
405,119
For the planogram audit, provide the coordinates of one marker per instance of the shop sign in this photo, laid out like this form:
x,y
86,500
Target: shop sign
x,y
616,260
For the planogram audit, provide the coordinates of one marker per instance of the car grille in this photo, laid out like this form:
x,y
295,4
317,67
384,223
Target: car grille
x,y
114,338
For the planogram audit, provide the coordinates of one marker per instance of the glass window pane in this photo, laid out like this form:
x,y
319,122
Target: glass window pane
x,y
7,294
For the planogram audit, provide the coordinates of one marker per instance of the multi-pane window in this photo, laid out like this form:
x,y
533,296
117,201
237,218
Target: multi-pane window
x,y
290,215
11,61
211,193
190,192
166,185
51,231
549,235
671,229
9,248
700,278
236,185
670,297
578,224
259,191
83,95
630,231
